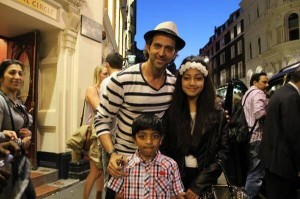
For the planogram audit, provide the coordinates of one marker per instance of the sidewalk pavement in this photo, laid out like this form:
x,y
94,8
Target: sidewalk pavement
x,y
76,191
72,192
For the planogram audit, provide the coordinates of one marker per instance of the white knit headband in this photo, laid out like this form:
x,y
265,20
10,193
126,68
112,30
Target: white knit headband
x,y
194,65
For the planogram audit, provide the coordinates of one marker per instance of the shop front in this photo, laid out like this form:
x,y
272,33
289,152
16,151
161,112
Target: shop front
x,y
46,35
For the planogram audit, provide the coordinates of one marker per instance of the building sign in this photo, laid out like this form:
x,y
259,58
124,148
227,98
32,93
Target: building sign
x,y
91,29
42,7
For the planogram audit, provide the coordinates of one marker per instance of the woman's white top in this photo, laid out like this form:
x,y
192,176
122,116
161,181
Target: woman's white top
x,y
190,160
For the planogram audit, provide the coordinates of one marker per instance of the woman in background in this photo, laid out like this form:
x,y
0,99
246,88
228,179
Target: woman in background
x,y
14,125
193,138
92,100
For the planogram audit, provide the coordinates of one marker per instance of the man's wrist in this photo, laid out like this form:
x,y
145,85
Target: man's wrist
x,y
111,152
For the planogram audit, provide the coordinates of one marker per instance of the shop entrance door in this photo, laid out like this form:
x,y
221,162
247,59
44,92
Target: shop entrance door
x,y
25,48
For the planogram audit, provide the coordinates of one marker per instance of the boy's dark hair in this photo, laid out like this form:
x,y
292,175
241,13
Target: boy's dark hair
x,y
115,60
147,121
256,77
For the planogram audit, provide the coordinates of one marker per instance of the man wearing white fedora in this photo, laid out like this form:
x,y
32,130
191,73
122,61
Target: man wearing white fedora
x,y
144,87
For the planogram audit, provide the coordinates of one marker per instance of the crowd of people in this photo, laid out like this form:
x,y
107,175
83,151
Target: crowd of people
x,y
162,135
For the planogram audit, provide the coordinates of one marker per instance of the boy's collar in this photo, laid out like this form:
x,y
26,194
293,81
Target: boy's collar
x,y
142,160
138,159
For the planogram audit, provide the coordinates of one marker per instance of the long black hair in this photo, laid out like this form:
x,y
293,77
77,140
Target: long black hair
x,y
179,117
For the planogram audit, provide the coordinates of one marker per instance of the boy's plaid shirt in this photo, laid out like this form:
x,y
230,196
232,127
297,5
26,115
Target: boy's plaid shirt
x,y
158,178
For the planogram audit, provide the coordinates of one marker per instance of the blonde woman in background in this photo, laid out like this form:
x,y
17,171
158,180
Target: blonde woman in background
x,y
92,100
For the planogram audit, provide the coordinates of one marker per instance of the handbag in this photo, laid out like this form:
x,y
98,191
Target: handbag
x,y
226,191
82,139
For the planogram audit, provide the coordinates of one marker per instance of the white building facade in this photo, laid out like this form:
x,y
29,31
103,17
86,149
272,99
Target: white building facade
x,y
271,35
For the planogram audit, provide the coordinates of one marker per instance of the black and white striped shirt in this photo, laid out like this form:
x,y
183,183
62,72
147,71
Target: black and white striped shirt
x,y
128,95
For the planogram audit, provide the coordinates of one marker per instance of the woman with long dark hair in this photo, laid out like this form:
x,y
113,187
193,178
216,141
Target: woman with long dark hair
x,y
193,138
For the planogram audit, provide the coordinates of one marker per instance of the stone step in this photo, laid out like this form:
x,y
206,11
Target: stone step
x,y
46,182
52,188
43,175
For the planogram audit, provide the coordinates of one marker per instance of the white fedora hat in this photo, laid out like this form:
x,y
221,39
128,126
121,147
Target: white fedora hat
x,y
169,28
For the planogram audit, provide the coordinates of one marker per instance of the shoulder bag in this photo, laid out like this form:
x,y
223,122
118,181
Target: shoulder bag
x,y
81,139
223,191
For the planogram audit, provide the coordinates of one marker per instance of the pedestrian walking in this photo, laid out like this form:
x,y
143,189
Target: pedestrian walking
x,y
255,111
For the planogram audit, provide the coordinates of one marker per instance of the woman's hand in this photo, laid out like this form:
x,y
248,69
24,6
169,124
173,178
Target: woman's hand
x,y
26,142
24,132
9,147
10,134
179,196
191,195
119,196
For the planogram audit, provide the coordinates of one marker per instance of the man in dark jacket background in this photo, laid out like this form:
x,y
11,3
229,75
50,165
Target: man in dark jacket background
x,y
280,146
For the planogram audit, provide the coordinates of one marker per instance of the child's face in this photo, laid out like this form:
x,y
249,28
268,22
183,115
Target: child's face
x,y
148,142
192,83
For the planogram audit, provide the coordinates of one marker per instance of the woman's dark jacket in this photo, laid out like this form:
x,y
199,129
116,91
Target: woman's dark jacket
x,y
212,149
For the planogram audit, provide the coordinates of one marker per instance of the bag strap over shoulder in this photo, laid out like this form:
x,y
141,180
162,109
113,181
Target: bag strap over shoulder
x,y
252,128
247,97
82,115
10,114
81,121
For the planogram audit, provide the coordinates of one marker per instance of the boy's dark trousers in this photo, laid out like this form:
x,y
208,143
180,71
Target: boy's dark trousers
x,y
110,194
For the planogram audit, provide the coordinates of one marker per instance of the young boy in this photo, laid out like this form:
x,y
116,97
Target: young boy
x,y
150,174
